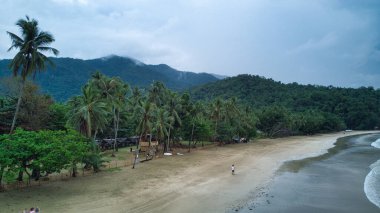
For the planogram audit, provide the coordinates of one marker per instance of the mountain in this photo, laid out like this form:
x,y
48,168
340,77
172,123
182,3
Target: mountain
x,y
69,75
359,108
219,76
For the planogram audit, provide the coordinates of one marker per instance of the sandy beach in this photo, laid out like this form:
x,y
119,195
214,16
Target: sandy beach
x,y
199,181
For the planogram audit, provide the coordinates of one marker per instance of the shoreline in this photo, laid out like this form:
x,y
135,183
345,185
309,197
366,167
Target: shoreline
x,y
320,184
199,181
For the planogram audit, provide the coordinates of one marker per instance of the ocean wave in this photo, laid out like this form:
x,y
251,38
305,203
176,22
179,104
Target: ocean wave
x,y
376,164
376,143
372,184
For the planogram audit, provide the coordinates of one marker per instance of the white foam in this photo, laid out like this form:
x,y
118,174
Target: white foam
x,y
372,185
376,143
376,164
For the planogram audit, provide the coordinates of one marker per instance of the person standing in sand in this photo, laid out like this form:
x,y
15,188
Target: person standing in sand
x,y
233,169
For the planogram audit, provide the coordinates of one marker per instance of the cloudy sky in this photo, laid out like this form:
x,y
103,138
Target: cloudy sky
x,y
325,42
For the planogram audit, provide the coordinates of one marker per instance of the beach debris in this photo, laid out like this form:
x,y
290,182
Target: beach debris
x,y
168,154
179,153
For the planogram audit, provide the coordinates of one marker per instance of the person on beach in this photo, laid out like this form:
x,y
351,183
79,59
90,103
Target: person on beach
x,y
32,210
233,169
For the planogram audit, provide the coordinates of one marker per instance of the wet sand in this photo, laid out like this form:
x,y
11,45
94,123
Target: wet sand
x,y
333,182
199,181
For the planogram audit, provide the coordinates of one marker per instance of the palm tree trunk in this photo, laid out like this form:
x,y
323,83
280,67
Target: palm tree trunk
x,y
216,126
192,134
95,133
17,107
167,148
89,126
116,126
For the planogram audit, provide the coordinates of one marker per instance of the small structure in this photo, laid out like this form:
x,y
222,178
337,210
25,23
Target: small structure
x,y
149,148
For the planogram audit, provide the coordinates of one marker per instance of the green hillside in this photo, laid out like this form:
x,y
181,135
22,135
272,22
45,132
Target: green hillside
x,y
358,108
66,78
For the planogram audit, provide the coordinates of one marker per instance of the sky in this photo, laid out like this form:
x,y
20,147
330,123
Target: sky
x,y
321,42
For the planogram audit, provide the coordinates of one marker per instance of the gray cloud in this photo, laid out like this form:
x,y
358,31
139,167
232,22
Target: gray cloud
x,y
328,42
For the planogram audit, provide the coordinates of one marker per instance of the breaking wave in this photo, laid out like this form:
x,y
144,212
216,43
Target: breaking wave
x,y
376,144
372,180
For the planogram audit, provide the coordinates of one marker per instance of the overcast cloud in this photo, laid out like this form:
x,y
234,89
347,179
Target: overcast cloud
x,y
326,42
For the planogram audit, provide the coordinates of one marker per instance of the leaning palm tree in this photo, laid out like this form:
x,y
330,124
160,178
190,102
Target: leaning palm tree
x,y
29,58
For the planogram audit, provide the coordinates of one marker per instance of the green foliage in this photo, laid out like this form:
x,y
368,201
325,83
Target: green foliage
x,y
357,108
34,109
57,116
274,120
37,110
87,113
43,151
202,129
29,59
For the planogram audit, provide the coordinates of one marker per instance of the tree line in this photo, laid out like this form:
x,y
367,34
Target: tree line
x,y
320,106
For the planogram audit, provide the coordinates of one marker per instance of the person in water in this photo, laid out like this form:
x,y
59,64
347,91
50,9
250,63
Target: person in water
x,y
233,169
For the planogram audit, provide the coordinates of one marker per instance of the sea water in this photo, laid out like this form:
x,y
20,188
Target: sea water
x,y
372,180
346,179
376,144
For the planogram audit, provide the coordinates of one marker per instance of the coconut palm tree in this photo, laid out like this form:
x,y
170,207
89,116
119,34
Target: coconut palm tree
x,y
216,113
162,124
88,114
29,58
157,93
113,91
173,107
146,117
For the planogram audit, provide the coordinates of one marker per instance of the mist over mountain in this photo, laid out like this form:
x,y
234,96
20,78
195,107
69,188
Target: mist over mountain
x,y
69,75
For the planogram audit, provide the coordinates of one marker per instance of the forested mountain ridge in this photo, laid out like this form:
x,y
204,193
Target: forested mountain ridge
x,y
66,78
358,108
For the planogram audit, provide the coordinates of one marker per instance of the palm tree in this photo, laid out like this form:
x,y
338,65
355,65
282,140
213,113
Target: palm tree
x,y
216,113
162,124
29,58
157,93
146,116
173,107
88,114
113,91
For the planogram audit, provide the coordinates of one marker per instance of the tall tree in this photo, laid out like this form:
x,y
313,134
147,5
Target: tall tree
x,y
29,58
88,114
113,91
173,107
146,118
216,114
157,93
162,125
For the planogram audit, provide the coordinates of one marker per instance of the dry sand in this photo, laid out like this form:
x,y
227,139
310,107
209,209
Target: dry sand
x,y
199,181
